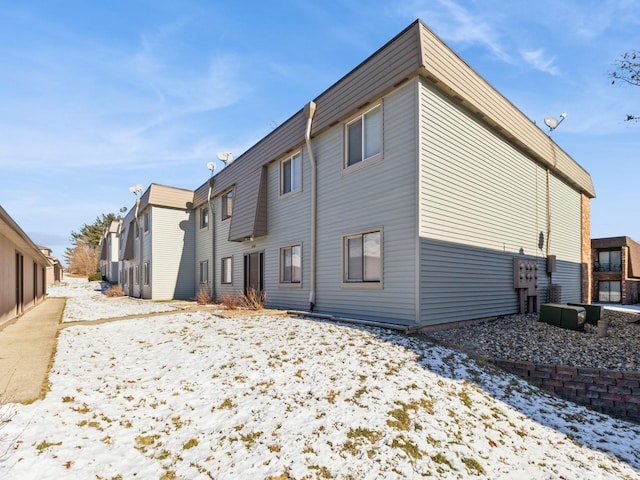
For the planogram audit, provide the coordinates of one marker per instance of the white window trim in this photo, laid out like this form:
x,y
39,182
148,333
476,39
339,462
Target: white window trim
x,y
281,166
345,140
222,280
282,283
379,285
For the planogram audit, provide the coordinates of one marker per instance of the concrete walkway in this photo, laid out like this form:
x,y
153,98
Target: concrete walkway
x,y
26,348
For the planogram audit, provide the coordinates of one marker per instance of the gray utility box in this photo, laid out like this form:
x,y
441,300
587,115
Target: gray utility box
x,y
594,312
564,316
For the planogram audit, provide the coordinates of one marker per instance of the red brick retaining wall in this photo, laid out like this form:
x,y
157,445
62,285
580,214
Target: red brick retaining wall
x,y
611,392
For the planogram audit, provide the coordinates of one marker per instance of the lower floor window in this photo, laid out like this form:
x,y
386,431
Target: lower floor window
x,y
226,266
609,292
291,264
363,257
204,272
136,275
145,273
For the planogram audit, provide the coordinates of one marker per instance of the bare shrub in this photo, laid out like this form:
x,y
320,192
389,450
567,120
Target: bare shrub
x,y
114,291
253,299
231,301
203,297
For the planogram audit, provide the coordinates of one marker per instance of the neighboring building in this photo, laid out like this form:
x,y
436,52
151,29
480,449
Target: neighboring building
x,y
109,250
400,194
616,270
156,245
55,272
23,270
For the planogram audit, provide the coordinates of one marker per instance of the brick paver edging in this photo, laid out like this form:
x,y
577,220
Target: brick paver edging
x,y
612,392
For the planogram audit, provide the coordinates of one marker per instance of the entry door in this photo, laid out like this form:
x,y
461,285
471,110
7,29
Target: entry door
x,y
253,274
19,283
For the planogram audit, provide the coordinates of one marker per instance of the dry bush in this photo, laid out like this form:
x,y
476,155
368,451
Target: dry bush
x,y
114,291
203,297
231,301
253,299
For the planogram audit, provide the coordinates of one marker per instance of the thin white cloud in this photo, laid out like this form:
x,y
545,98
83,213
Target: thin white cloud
x,y
538,60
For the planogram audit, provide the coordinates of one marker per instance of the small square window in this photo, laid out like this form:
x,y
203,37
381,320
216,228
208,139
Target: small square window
x,y
363,257
364,137
227,205
226,267
291,174
291,264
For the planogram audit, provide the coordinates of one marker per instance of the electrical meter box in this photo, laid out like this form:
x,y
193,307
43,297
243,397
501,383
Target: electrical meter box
x,y
525,275
525,281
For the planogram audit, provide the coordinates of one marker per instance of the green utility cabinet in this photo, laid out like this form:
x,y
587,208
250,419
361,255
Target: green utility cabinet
x,y
564,316
594,312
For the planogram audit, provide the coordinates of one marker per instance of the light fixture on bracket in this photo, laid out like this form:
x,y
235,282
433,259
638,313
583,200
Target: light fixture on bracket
x,y
553,122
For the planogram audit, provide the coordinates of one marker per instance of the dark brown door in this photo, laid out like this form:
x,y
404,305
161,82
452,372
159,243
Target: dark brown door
x,y
253,275
19,283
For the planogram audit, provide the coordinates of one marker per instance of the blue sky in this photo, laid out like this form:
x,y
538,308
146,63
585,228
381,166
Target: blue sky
x,y
98,96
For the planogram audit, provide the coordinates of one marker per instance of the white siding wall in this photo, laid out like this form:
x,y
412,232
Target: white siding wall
x,y
173,249
482,202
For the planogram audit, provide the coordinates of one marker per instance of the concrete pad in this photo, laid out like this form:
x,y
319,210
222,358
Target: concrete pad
x,y
26,347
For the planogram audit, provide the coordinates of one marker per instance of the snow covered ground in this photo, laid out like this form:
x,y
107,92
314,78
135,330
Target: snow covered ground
x,y
194,395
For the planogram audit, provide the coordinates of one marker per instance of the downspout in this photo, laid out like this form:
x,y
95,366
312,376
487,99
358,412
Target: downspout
x,y
309,111
212,224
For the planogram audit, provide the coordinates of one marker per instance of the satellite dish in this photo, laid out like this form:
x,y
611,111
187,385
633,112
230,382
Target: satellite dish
x,y
123,209
551,122
225,157
136,189
211,166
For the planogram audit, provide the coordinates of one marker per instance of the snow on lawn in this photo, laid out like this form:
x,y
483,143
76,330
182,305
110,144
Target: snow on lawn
x,y
198,396
79,290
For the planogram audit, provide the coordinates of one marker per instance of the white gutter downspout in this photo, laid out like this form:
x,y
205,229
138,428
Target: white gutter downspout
x,y
213,241
309,111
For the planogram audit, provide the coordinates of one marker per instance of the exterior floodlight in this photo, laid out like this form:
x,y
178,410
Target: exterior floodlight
x,y
553,122
136,189
225,157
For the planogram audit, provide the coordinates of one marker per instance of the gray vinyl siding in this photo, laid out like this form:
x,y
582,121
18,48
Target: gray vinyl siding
x,y
289,224
565,239
203,248
225,248
380,195
482,202
173,239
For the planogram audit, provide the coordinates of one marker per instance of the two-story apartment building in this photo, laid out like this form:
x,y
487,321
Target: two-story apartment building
x,y
156,245
402,194
23,270
616,270
109,249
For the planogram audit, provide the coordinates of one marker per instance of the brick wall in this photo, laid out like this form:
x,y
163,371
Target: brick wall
x,y
611,392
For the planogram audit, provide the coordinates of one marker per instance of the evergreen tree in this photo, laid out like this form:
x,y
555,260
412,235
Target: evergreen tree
x,y
84,257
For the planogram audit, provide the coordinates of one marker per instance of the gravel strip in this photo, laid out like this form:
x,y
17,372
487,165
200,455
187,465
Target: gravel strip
x,y
524,338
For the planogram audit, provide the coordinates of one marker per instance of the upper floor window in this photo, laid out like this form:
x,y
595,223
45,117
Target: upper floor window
x,y
227,204
609,261
363,257
204,217
136,229
291,174
291,264
145,218
364,137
